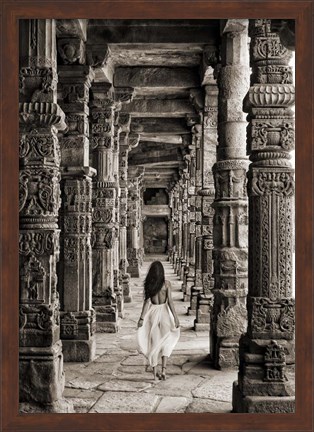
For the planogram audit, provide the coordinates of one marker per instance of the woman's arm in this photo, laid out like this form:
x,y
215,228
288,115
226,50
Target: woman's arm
x,y
143,313
171,305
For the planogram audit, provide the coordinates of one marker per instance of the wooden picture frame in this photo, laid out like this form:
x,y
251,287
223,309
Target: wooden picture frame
x,y
302,12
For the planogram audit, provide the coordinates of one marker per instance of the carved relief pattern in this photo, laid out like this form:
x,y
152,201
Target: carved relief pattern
x,y
69,326
39,192
274,363
76,220
37,84
71,50
232,321
279,133
39,201
271,319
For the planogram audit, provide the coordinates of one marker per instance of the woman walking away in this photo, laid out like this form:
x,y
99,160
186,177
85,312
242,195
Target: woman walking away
x,y
158,327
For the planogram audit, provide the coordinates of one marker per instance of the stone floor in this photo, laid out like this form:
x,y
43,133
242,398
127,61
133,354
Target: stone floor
x,y
119,380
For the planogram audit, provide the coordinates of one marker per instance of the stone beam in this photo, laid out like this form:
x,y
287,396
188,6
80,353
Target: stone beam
x,y
156,210
159,108
155,157
163,183
153,31
156,54
168,139
157,126
151,146
156,77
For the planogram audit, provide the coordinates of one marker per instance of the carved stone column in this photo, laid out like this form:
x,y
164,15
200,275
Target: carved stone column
x,y
208,147
134,220
198,282
41,360
123,176
104,211
229,316
268,346
75,268
175,218
170,223
180,228
123,172
121,149
189,274
185,225
117,279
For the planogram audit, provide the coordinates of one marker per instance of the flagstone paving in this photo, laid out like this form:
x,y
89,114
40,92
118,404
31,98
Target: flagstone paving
x,y
120,381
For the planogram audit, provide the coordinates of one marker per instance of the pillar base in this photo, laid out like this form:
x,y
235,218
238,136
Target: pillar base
x,y
107,327
204,306
41,374
61,406
120,305
226,355
261,404
195,291
79,350
127,296
107,320
201,326
128,299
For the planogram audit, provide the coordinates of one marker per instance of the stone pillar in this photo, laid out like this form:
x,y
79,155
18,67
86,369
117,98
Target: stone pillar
x,y
134,220
175,219
170,234
229,316
75,267
122,96
185,226
198,282
141,223
180,228
123,172
189,274
268,346
117,278
104,213
209,144
40,352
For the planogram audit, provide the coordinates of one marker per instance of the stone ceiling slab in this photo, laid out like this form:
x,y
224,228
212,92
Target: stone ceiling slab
x,y
156,54
153,31
158,126
152,107
160,77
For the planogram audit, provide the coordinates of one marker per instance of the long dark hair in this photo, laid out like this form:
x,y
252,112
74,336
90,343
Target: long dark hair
x,y
154,280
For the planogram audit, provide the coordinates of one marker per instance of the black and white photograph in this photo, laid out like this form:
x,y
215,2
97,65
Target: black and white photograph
x,y
156,216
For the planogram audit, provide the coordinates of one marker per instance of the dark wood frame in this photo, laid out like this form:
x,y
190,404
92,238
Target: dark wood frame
x,y
302,12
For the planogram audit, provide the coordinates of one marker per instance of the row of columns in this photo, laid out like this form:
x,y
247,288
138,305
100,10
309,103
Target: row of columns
x,y
79,202
241,287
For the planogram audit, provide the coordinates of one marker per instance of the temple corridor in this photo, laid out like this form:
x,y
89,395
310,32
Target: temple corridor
x,y
147,137
118,380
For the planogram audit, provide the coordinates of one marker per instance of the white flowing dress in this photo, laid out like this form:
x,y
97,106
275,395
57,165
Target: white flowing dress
x,y
158,335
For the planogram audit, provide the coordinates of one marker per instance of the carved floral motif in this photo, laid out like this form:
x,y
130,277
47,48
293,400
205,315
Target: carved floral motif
x,y
269,318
